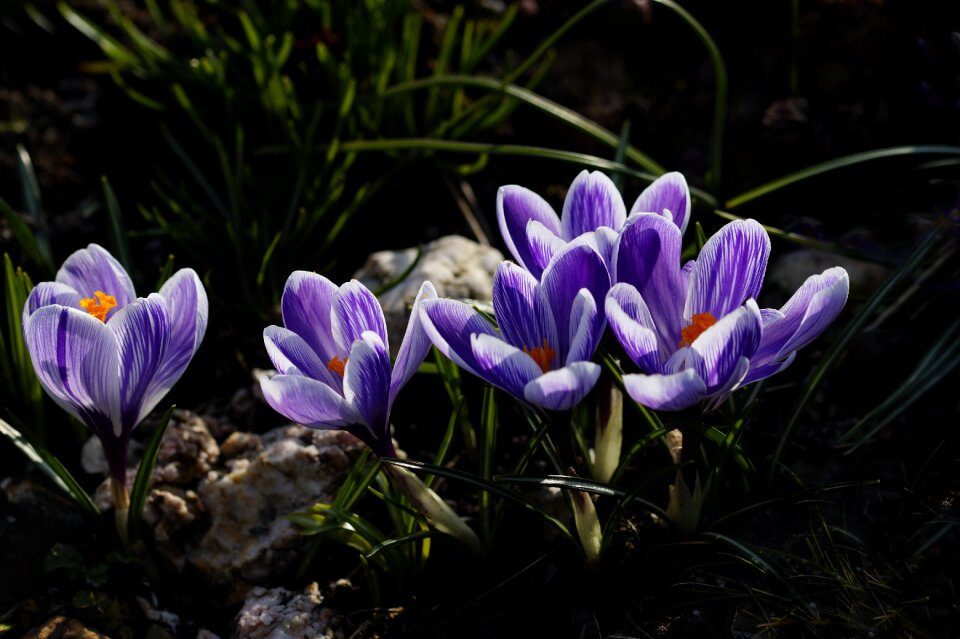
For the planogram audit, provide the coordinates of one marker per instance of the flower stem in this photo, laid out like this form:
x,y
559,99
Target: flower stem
x,y
121,508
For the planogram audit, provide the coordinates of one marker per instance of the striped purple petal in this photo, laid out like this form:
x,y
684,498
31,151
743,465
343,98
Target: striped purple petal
x,y
307,305
307,401
666,392
576,267
563,388
586,327
188,310
541,245
355,311
415,343
717,353
516,208
366,387
633,326
291,355
450,325
592,201
94,269
763,371
503,365
142,329
76,360
729,270
47,293
805,315
668,196
647,256
522,314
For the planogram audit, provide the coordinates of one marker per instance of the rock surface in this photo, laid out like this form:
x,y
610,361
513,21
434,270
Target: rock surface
x,y
279,613
457,267
250,537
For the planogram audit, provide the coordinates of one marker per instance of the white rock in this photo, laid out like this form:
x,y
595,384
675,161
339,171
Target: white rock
x,y
457,267
279,613
250,537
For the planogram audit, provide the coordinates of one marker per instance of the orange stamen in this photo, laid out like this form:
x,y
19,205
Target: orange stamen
x,y
700,323
337,366
99,307
543,356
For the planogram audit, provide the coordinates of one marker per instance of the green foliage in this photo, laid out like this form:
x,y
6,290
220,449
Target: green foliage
x,y
268,97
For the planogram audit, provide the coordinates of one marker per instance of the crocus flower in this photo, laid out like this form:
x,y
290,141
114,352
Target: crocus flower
x,y
103,354
697,332
533,233
548,329
333,358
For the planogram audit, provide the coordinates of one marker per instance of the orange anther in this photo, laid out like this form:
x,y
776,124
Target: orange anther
x,y
700,322
542,355
337,366
99,307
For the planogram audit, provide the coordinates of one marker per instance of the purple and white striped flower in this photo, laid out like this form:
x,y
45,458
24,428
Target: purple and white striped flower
x,y
333,358
103,354
533,232
548,329
697,332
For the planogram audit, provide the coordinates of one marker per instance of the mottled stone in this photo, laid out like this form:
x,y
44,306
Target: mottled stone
x,y
187,451
279,613
457,267
169,512
250,538
240,445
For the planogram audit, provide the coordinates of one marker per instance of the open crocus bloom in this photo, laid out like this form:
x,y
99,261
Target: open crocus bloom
x,y
333,358
549,329
533,233
105,355
696,331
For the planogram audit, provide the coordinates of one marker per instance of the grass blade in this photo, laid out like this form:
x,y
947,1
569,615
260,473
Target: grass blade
x,y
141,484
121,248
835,165
833,354
51,467
542,104
491,487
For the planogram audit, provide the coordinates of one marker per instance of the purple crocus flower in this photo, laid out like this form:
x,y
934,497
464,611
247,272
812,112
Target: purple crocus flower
x,y
333,358
533,233
103,354
548,329
697,332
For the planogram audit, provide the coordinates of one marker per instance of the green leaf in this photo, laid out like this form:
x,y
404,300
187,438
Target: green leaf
x,y
753,558
141,484
835,165
26,238
51,467
846,335
488,445
542,104
110,47
939,361
491,487
120,246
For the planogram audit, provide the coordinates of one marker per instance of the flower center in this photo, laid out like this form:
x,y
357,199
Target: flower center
x,y
700,322
336,365
542,355
99,307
